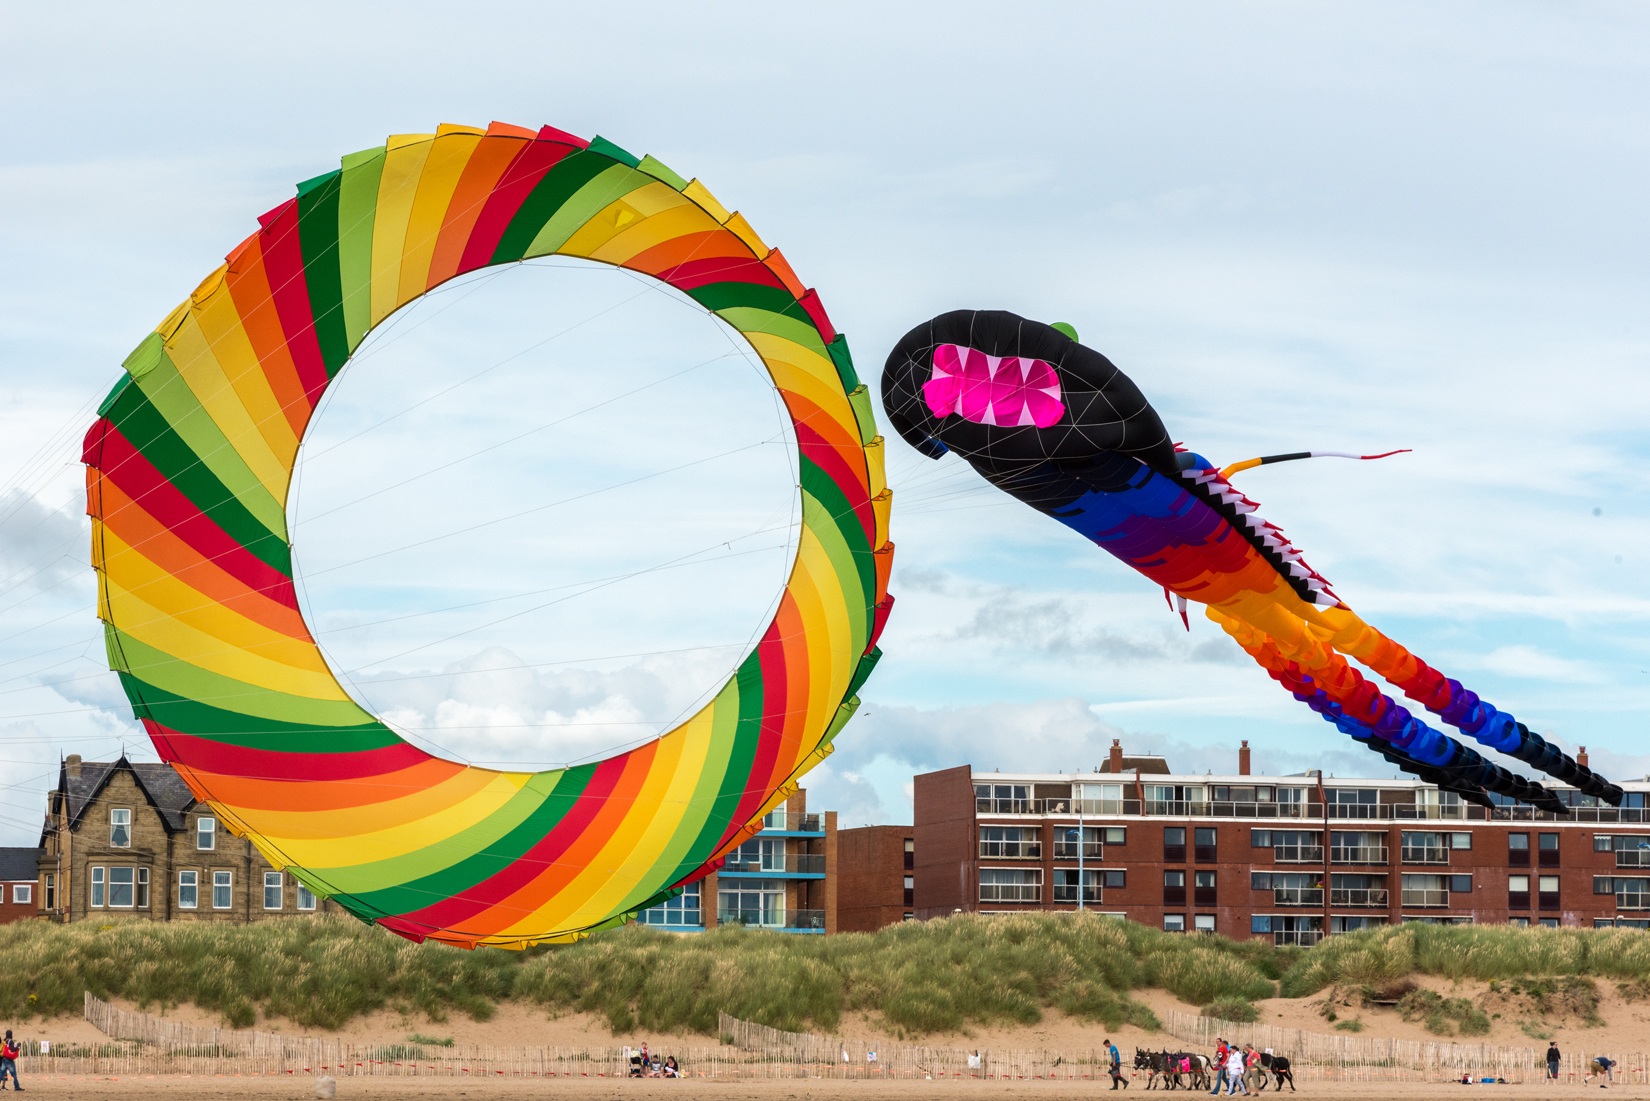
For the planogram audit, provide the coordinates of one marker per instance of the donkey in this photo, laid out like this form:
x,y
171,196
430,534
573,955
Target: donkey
x,y
1278,1065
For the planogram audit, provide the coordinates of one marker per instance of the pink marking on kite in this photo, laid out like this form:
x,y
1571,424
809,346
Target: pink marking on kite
x,y
1004,391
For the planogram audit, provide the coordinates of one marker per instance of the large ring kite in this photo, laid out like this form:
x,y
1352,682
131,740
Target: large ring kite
x,y
188,470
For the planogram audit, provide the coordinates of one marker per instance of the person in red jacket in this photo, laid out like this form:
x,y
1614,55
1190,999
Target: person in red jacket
x,y
9,1051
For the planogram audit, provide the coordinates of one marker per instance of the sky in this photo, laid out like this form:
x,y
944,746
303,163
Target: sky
x,y
546,508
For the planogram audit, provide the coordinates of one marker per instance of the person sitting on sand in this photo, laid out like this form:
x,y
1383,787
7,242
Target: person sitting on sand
x,y
671,1069
1601,1065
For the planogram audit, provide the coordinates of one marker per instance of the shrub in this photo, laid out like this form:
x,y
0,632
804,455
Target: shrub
x,y
1232,1009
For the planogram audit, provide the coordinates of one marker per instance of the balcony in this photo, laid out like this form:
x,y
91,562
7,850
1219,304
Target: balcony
x,y
1177,808
803,865
1403,812
1371,897
1009,806
1011,892
1633,858
806,921
1297,896
1427,897
1067,892
1297,854
1011,850
1577,814
1067,850
782,822
1359,854
1633,900
1306,938
1425,854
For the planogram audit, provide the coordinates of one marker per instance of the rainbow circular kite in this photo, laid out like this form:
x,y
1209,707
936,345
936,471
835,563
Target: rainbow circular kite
x,y
190,462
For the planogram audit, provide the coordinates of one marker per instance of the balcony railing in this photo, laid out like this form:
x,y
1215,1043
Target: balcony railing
x,y
1009,806
1011,850
781,820
1404,812
1178,808
1011,892
1358,854
1297,854
1306,938
1090,808
1577,814
1427,897
805,919
1297,896
796,864
1067,850
1425,854
755,917
1633,858
1358,896
1067,892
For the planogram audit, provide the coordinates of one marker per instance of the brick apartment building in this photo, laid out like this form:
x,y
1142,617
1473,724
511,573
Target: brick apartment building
x,y
1293,858
875,877
125,838
783,878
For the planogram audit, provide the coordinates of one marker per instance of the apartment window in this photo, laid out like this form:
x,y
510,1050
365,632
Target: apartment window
x,y
1065,842
1010,843
1357,889
206,834
910,888
1115,835
1260,839
759,902
1549,923
683,910
1174,923
1518,892
1002,798
910,854
1011,884
1066,885
1547,892
97,887
22,893
1548,849
1117,878
51,892
1603,843
1524,921
1353,924
222,882
1290,888
1203,839
189,888
120,828
1203,889
1204,923
1460,840
1518,850
306,897
143,888
1425,847
1174,844
1174,888
273,884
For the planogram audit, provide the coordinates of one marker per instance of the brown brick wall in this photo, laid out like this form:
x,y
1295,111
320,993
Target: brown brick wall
x,y
871,877
946,866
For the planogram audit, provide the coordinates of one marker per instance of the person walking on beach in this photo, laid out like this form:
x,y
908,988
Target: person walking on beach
x,y
1220,1064
9,1051
1553,1058
1114,1063
1601,1065
1234,1073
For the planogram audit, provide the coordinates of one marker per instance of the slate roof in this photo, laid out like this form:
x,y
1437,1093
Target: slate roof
x,y
19,864
164,786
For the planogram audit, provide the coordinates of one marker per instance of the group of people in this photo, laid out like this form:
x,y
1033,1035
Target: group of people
x,y
644,1065
1233,1065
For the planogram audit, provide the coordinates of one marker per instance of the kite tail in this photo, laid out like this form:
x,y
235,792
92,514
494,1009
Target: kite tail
x,y
1458,706
1341,695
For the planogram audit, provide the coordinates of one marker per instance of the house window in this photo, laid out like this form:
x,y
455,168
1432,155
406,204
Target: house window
x,y
189,887
143,888
97,887
1174,923
222,882
273,882
1204,923
51,892
120,887
306,897
206,834
1117,878
120,828
22,893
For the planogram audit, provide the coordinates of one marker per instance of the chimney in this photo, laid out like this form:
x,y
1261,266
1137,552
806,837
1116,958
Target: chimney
x,y
1115,764
1581,757
1243,758
73,764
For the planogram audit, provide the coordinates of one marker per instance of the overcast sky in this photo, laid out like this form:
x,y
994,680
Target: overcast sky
x,y
1349,227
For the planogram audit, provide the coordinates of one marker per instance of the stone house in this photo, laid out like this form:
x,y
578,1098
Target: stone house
x,y
129,838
